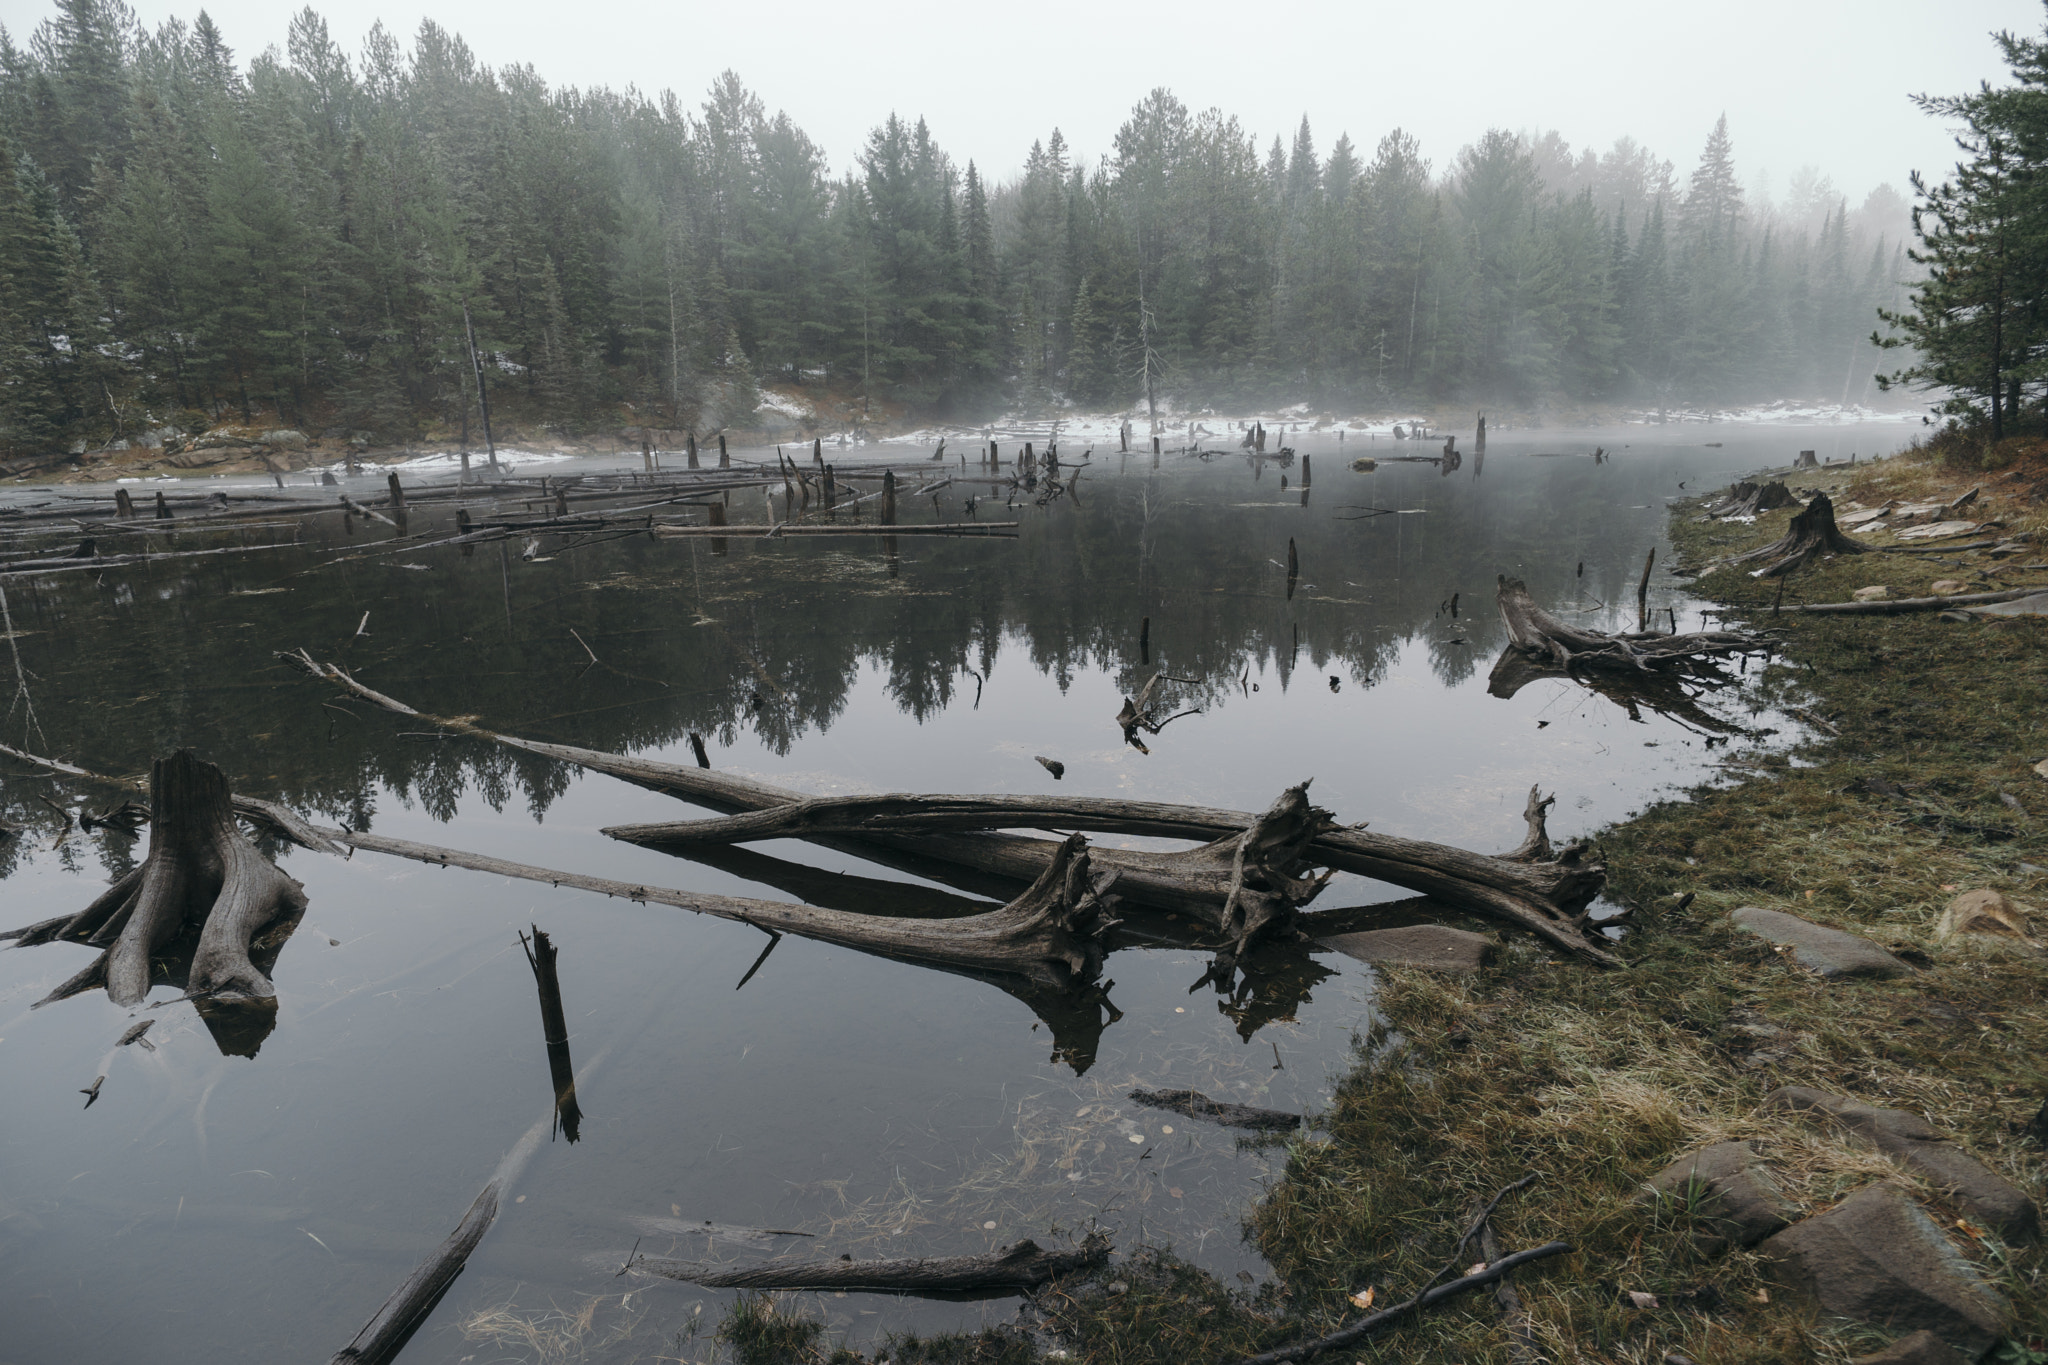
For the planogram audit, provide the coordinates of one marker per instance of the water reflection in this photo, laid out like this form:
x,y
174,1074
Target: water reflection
x,y
891,1108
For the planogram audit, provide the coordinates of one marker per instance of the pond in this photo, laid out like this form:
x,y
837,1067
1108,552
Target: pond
x,y
242,1198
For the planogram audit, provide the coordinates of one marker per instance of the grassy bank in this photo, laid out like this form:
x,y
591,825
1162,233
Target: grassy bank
x,y
1595,1080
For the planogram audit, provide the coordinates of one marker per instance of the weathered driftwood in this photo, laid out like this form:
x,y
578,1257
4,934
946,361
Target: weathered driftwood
x,y
1012,1269
1546,899
1810,534
1671,694
1196,1105
1901,606
200,869
1535,632
1747,499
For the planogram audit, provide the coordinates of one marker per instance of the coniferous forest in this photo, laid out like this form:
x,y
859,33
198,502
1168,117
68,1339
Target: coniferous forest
x,y
311,235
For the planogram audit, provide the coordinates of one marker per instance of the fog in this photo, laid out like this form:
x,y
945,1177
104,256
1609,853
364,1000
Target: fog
x,y
1802,85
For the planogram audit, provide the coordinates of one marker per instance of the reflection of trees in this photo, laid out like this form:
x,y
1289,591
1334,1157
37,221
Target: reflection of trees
x,y
139,660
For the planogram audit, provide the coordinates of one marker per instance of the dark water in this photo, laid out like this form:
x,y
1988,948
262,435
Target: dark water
x,y
213,1207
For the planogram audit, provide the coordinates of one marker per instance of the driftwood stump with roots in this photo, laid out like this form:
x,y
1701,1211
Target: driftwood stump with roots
x,y
201,870
1747,499
1811,534
1536,633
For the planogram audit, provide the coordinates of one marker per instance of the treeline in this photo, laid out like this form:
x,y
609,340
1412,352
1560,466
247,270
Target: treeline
x,y
187,237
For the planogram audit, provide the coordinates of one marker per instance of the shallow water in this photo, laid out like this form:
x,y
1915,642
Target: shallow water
x,y
232,1207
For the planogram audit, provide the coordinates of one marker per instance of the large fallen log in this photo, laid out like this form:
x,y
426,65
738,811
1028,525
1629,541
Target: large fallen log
x,y
200,870
1012,1269
1901,606
1535,632
1810,534
1259,858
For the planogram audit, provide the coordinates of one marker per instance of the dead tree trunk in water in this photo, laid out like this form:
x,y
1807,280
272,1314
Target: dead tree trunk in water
x,y
1545,899
1012,1268
200,868
1536,632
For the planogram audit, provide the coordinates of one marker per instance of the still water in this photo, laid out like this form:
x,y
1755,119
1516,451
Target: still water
x,y
215,1207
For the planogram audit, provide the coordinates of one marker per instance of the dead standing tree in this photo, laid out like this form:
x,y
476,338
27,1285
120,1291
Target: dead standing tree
x,y
201,870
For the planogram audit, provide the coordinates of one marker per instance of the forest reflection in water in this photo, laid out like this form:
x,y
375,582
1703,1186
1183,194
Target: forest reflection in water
x,y
888,1108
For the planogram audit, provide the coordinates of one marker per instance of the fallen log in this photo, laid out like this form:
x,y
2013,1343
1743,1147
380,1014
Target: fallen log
x,y
1902,606
1546,899
1012,1269
1196,1105
1668,694
786,529
1810,534
200,869
1535,632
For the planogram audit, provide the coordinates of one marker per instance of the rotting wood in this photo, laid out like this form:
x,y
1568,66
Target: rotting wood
x,y
1536,632
1196,1105
200,868
1012,1269
1748,499
541,954
1545,899
1902,606
1810,534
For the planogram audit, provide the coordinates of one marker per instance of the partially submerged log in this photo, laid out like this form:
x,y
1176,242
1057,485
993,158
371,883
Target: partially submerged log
x,y
1546,899
201,870
1667,693
1809,535
1012,1269
1535,632
1196,1105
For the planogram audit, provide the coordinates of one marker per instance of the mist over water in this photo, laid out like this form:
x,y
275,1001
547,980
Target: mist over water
x,y
887,1108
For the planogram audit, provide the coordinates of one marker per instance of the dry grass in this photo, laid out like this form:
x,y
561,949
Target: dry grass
x,y
1597,1080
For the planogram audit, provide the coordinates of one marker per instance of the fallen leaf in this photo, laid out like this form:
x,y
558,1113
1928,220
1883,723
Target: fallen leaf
x,y
1476,1268
1763,1296
989,1226
1166,1128
1137,1137
1174,1190
1642,1300
1363,1298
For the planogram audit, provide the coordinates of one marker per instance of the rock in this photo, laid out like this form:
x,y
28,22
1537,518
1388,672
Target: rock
x,y
1877,1258
285,439
1874,593
1940,530
1728,1185
1433,946
1830,952
2041,770
1986,914
1919,1147
1920,1348
1944,587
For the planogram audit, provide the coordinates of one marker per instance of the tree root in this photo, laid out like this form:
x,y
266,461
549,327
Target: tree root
x,y
1535,632
1244,889
201,871
1811,534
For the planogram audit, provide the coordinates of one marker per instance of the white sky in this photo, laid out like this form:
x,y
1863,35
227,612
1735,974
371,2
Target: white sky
x,y
1802,82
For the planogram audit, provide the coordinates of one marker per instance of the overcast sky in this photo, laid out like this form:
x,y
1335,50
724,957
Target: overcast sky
x,y
1802,82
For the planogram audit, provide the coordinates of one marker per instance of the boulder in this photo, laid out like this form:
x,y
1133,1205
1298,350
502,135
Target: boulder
x,y
1984,913
1829,952
1434,946
1919,1348
1729,1188
1915,1144
1877,1258
1945,587
285,439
